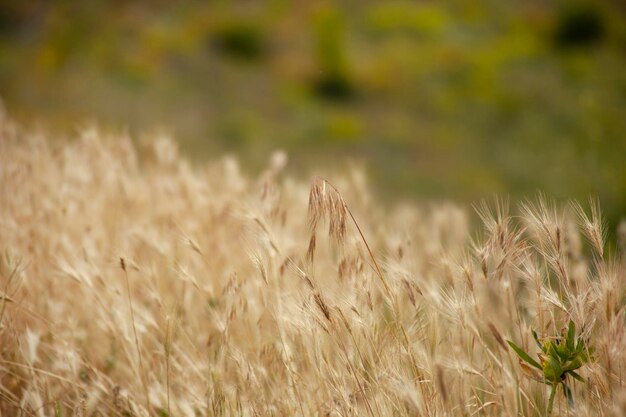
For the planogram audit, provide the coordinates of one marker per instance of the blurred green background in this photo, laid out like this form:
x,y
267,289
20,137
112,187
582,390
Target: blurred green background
x,y
457,99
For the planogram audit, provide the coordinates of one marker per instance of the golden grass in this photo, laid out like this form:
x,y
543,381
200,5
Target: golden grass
x,y
135,284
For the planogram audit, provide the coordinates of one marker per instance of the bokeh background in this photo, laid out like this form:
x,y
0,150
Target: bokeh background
x,y
458,99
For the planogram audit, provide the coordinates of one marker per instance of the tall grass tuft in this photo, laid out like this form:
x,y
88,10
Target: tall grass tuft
x,y
232,302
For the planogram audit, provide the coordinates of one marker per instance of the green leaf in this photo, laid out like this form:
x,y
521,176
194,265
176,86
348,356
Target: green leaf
x,y
568,394
520,352
537,340
563,350
552,370
571,333
576,376
574,364
554,352
58,410
580,345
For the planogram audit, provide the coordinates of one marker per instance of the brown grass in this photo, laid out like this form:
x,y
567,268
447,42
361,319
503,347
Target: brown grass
x,y
132,283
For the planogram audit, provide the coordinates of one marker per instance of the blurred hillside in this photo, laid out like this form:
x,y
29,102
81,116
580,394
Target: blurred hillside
x,y
457,99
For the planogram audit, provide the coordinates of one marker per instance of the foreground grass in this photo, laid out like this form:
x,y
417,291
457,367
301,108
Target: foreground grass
x,y
134,284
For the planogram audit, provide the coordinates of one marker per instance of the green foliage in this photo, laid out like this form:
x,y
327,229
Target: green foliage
x,y
560,357
240,40
456,101
333,81
525,356
58,409
406,17
14,14
580,24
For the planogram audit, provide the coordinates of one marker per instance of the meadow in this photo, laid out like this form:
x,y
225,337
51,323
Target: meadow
x,y
134,283
438,99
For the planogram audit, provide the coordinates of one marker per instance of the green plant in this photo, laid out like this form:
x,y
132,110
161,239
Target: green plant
x,y
580,25
334,81
240,40
561,356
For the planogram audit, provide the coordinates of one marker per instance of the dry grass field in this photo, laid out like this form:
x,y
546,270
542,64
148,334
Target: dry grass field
x,y
133,283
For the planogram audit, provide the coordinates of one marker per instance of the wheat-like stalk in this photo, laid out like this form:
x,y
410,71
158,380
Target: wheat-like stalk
x,y
232,302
